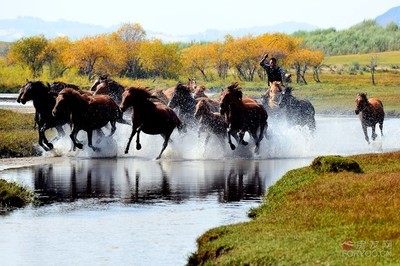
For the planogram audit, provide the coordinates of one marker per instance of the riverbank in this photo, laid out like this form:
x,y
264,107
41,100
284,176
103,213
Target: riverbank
x,y
318,215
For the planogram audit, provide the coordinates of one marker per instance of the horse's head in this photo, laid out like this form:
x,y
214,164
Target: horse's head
x,y
99,80
200,91
231,95
181,96
32,90
65,100
192,84
135,96
202,108
361,102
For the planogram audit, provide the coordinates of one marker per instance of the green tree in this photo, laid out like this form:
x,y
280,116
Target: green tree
x,y
29,52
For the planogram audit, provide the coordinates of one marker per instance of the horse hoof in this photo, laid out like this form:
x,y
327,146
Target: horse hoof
x,y
50,146
244,142
79,146
233,147
138,147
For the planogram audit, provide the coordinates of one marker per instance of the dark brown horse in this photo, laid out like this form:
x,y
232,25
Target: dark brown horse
x,y
371,113
107,86
183,100
43,101
298,112
242,116
210,122
87,113
149,117
58,86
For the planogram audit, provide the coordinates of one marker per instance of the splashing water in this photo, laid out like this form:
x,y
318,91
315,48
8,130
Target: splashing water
x,y
334,135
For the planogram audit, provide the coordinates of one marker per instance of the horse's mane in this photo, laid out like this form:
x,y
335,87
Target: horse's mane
x,y
363,95
234,86
141,92
39,84
182,89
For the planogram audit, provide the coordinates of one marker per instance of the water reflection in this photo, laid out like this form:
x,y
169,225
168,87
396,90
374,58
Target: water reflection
x,y
130,180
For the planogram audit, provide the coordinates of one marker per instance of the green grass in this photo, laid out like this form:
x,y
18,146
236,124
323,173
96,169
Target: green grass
x,y
308,214
17,136
13,195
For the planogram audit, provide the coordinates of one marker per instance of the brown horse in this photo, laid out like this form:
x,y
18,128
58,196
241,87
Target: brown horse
x,y
273,96
242,116
183,100
107,86
371,113
149,117
210,122
87,113
199,92
43,101
161,96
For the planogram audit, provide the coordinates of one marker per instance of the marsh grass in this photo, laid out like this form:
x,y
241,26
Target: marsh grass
x,y
13,195
17,136
307,216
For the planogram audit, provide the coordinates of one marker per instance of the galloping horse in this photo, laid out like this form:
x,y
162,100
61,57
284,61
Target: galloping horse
x,y
210,122
169,93
242,116
149,117
298,112
370,112
43,101
199,92
87,113
58,86
108,86
273,96
182,98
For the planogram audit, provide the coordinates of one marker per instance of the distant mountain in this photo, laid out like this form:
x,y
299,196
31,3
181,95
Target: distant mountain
x,y
392,15
14,29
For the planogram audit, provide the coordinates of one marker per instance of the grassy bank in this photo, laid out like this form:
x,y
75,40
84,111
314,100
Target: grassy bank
x,y
17,136
318,215
13,195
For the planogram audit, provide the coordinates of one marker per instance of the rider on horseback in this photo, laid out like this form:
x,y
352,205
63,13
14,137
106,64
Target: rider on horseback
x,y
274,72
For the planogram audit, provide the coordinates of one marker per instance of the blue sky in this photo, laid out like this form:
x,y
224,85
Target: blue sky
x,y
189,17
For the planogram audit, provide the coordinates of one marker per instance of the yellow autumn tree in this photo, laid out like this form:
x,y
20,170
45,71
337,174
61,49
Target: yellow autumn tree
x,y
198,57
87,55
54,51
303,59
159,59
220,59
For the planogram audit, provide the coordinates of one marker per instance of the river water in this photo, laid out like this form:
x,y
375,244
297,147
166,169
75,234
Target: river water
x,y
108,208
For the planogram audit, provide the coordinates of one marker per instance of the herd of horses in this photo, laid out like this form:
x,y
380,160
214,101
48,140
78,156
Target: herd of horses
x,y
160,112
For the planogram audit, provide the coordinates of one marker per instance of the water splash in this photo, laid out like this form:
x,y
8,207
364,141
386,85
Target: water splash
x,y
334,135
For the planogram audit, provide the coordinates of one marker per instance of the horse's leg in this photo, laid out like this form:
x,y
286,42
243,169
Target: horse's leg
x,y
381,127
364,127
241,138
42,137
75,142
89,136
130,139
234,135
138,145
166,139
113,127
374,135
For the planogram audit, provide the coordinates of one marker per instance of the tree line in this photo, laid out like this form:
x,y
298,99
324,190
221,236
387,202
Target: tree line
x,y
365,37
129,53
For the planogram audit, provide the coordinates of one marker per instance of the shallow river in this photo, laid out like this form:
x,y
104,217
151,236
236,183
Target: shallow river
x,y
109,208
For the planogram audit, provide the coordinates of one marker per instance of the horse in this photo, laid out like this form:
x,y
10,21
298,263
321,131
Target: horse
x,y
43,101
370,112
87,113
161,96
272,97
182,98
58,86
105,85
242,116
210,122
298,112
149,117
200,92
169,93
